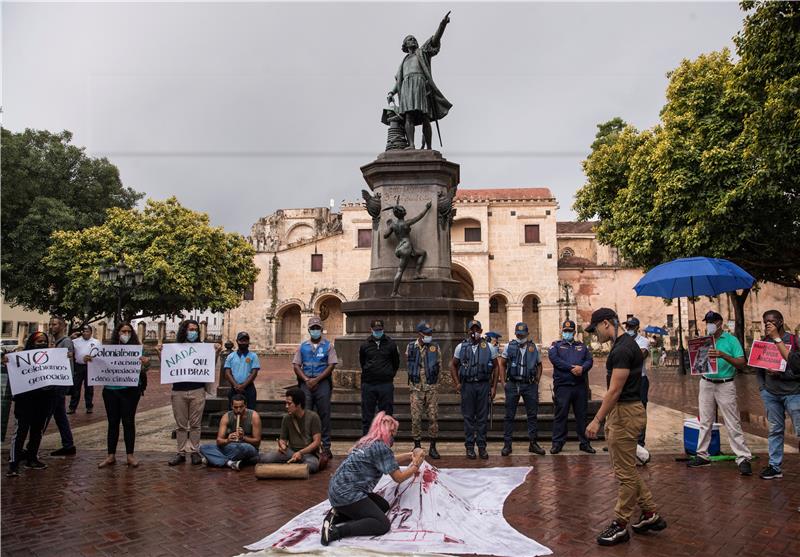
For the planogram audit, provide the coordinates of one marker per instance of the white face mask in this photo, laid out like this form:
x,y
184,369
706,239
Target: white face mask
x,y
124,339
711,328
630,333
427,339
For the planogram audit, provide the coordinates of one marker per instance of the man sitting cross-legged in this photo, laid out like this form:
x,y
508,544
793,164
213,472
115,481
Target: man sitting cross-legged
x,y
301,434
238,437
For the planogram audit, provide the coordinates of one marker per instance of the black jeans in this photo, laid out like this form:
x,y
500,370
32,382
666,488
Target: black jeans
x,y
30,411
249,396
375,398
366,517
121,407
58,413
80,379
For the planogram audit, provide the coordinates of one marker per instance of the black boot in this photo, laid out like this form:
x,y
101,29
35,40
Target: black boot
x,y
432,452
506,449
417,443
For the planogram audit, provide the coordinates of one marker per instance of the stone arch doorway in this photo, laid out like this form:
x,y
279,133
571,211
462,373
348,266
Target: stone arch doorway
x,y
288,330
530,315
498,314
466,284
329,309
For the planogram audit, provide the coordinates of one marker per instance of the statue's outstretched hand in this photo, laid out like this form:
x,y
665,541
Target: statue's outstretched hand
x,y
446,18
428,205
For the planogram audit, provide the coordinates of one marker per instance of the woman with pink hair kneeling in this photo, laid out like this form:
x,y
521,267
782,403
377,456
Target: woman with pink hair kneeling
x,y
356,510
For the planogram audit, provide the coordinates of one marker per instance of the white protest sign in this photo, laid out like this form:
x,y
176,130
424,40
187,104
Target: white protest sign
x,y
33,369
190,361
116,365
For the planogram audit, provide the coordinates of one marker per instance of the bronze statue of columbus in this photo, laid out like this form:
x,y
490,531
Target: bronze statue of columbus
x,y
420,101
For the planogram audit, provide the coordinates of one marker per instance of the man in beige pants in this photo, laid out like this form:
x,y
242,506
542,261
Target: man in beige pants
x,y
625,419
719,390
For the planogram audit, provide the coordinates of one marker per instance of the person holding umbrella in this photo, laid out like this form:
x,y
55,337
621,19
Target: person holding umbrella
x,y
718,390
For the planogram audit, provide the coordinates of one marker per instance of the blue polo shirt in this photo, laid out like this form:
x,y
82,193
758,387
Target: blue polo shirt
x,y
241,365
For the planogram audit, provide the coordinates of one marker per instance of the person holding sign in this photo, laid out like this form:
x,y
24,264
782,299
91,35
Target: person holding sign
x,y
238,438
188,402
83,344
718,390
241,368
121,402
58,409
780,391
31,410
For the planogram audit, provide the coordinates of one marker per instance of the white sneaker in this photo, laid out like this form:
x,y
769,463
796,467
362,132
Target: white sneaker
x,y
235,464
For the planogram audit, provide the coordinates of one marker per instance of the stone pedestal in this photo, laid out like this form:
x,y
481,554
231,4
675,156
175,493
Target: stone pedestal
x,y
411,178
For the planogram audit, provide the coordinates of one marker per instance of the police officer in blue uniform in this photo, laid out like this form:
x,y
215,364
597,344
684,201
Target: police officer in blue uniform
x,y
571,361
474,372
521,369
313,365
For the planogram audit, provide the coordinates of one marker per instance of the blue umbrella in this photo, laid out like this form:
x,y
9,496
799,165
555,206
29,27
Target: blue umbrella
x,y
690,277
655,330
693,276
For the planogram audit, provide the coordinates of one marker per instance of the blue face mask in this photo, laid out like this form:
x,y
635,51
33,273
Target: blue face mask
x,y
377,334
630,333
316,334
568,336
192,336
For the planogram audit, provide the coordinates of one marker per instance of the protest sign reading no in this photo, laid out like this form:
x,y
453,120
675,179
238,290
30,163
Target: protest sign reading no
x,y
115,365
190,361
33,369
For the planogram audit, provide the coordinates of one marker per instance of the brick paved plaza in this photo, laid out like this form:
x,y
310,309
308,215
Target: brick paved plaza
x,y
72,508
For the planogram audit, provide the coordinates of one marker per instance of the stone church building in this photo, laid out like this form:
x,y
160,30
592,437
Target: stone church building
x,y
509,253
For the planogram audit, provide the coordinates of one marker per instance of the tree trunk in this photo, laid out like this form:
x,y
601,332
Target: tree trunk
x,y
738,312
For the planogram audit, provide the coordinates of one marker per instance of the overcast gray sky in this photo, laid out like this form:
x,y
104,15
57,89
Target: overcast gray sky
x,y
241,109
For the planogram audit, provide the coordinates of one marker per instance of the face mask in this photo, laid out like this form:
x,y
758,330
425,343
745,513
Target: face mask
x,y
124,339
427,339
377,334
243,347
711,328
315,334
630,333
522,339
568,336
476,336
191,336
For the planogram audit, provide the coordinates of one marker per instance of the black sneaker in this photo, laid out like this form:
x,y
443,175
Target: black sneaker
x,y
64,451
613,535
770,473
432,452
471,453
587,448
35,465
329,532
327,452
535,448
482,453
698,461
197,460
506,450
654,522
71,411
13,471
179,458
555,449
745,469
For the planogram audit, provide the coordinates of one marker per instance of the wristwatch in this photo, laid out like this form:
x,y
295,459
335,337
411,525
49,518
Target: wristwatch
x,y
777,340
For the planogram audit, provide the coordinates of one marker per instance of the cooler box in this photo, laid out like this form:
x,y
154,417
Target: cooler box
x,y
691,433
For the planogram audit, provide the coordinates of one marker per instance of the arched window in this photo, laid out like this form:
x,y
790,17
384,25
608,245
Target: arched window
x,y
567,252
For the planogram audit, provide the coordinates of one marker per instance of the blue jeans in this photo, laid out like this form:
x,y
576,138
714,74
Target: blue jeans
x,y
530,395
319,400
375,397
777,407
475,409
219,456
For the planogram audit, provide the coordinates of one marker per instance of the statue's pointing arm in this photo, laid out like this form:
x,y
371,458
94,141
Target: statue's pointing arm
x,y
440,31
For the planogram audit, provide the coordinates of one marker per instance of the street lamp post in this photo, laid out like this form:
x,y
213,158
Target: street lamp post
x,y
124,280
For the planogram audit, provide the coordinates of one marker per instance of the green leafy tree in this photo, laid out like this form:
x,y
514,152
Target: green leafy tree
x,y
719,176
188,264
48,185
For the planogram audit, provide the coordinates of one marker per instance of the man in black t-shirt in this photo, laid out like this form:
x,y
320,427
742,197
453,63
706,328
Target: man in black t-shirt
x,y
625,418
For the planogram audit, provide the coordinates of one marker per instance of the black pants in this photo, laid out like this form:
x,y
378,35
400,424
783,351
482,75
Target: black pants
x,y
366,517
250,396
566,396
375,398
30,411
80,379
121,407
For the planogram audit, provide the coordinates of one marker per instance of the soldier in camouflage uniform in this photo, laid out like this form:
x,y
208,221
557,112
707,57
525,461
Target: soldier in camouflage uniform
x,y
424,362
